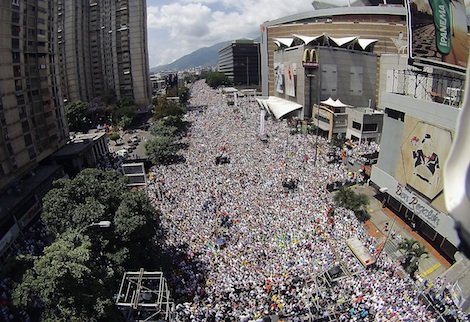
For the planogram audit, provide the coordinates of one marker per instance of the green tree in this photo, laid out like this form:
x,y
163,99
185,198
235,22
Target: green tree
x,y
76,113
161,149
109,97
166,107
339,140
126,101
216,79
184,94
123,113
93,195
160,129
125,122
114,137
64,283
357,202
89,260
414,252
135,223
344,197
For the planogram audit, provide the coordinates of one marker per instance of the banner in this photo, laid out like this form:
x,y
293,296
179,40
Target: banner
x,y
437,33
279,77
290,82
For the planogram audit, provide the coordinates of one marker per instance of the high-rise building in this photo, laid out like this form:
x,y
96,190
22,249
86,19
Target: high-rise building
x,y
32,118
103,49
240,62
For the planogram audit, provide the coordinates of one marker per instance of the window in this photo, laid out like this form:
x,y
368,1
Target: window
x,y
370,127
15,43
394,114
356,125
15,2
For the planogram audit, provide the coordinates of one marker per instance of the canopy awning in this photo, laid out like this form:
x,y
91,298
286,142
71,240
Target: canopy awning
x,y
329,102
364,43
307,39
278,106
334,103
285,41
342,41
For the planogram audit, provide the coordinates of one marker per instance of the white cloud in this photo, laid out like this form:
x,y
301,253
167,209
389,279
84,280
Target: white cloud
x,y
179,28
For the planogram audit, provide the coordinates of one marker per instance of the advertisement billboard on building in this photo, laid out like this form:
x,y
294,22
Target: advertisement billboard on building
x,y
437,33
424,149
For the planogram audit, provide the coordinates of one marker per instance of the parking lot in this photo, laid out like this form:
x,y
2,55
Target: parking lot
x,y
132,141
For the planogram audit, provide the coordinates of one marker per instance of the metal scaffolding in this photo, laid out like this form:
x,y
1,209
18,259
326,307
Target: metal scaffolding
x,y
144,297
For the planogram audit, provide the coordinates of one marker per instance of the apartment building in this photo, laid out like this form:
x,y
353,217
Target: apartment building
x,y
33,123
102,49
32,119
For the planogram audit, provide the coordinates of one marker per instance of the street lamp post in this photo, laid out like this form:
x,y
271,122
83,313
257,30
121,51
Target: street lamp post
x,y
101,224
310,77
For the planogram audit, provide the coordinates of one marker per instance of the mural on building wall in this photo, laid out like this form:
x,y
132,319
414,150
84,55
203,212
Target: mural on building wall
x,y
424,149
290,81
279,77
437,32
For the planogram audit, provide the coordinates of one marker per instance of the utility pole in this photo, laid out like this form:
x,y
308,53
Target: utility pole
x,y
247,74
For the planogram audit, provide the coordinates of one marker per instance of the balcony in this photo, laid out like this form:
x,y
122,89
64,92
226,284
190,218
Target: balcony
x,y
443,88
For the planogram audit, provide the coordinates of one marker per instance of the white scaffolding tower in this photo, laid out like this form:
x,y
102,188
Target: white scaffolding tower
x,y
144,297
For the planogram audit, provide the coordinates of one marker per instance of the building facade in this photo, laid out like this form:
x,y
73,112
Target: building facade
x,y
33,123
418,132
337,72
32,117
103,50
385,24
240,62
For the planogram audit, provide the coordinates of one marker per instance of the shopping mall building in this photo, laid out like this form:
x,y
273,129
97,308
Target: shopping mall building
x,y
359,56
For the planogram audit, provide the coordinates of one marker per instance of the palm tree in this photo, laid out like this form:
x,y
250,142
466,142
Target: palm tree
x,y
344,197
414,252
357,202
407,245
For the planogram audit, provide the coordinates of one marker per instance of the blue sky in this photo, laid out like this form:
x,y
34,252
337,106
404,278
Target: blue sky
x,y
177,28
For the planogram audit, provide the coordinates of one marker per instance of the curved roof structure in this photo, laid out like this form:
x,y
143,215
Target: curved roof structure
x,y
278,106
363,43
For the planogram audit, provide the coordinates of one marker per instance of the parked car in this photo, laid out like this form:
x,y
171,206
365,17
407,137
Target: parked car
x,y
122,153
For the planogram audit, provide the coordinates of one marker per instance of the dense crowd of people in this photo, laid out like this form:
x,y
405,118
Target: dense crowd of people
x,y
31,242
246,247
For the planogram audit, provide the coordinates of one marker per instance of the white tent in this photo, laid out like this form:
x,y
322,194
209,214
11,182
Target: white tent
x,y
334,103
329,102
340,104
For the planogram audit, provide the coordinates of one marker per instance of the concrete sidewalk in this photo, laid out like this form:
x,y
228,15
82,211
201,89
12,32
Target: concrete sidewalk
x,y
429,268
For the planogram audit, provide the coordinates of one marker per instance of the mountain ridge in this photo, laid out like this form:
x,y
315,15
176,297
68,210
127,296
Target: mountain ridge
x,y
203,57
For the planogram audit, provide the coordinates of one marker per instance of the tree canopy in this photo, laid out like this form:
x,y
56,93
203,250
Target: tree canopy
x,y
357,202
76,277
165,107
76,113
160,149
216,79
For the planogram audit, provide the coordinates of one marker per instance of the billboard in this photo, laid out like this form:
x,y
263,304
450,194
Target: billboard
x,y
424,149
437,33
